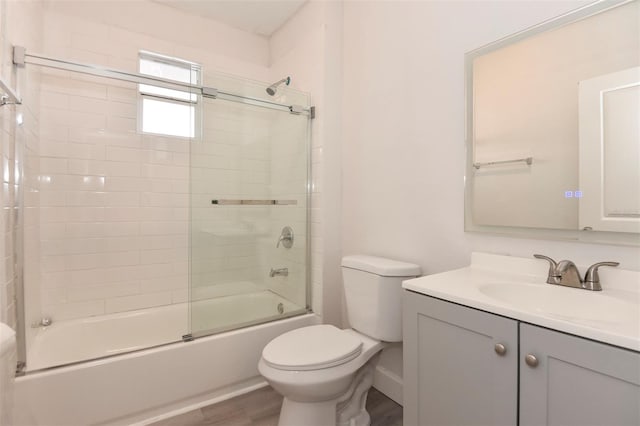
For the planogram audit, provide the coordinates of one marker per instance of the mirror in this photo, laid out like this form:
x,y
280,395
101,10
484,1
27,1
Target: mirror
x,y
553,128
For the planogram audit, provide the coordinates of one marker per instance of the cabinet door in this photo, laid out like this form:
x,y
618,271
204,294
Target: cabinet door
x,y
452,372
576,381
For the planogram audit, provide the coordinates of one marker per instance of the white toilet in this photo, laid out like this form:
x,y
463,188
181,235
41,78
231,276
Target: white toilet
x,y
325,373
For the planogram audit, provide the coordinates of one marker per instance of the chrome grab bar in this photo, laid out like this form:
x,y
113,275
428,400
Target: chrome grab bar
x,y
528,160
254,202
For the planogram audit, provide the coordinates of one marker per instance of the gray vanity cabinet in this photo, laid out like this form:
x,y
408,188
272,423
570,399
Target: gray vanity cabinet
x,y
456,371
575,381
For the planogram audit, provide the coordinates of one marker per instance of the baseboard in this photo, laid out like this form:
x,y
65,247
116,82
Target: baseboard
x,y
385,381
225,394
388,383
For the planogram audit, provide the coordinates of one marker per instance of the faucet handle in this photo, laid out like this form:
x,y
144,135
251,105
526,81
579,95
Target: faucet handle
x,y
553,268
592,278
286,237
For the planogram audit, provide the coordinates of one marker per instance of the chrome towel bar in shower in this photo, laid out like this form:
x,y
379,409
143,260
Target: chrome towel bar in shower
x,y
528,160
254,202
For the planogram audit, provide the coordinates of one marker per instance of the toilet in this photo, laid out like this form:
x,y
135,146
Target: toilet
x,y
325,373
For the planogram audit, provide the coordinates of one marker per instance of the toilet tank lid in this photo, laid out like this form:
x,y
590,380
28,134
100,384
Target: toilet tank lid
x,y
7,339
381,266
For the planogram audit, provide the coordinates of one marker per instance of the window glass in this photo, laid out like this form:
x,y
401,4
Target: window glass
x,y
168,118
168,111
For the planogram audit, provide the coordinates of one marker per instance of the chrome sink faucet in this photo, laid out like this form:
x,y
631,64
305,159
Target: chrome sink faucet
x,y
566,273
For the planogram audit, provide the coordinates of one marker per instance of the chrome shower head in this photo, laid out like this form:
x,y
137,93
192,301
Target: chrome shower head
x,y
271,90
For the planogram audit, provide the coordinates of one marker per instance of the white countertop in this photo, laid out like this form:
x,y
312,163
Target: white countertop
x,y
516,288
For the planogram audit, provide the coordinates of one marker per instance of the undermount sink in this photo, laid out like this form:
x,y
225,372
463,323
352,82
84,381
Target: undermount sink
x,y
597,309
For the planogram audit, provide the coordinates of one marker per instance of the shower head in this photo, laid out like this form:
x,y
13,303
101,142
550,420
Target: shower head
x,y
271,90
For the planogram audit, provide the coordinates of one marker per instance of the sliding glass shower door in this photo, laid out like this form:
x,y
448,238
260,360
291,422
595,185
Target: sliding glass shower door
x,y
249,215
148,190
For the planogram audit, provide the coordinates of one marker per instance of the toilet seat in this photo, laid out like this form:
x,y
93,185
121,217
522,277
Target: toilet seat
x,y
312,348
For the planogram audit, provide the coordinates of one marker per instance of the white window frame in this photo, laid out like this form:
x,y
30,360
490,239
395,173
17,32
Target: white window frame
x,y
147,91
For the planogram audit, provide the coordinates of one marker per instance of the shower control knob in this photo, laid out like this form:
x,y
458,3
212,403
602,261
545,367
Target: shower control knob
x,y
286,237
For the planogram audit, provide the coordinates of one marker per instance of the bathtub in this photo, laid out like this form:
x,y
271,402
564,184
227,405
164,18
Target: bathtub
x,y
134,387
68,342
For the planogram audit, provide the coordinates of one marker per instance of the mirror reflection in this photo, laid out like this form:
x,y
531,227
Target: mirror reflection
x,y
554,125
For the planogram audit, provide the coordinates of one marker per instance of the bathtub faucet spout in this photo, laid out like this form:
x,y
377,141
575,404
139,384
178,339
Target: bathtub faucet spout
x,y
282,272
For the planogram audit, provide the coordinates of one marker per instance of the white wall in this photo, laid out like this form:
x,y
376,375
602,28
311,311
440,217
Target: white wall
x,y
403,141
404,137
174,32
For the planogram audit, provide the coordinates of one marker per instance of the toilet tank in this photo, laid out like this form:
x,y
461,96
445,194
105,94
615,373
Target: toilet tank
x,y
373,294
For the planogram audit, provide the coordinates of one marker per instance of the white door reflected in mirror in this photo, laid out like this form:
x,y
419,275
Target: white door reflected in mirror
x,y
609,121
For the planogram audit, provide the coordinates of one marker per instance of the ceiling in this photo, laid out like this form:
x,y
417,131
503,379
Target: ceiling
x,y
261,17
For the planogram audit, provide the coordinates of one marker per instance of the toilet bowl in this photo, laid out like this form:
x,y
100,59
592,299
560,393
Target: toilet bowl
x,y
325,373
314,390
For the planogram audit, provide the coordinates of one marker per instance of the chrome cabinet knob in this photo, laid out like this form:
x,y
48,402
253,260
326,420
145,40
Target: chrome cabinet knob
x,y
500,349
531,360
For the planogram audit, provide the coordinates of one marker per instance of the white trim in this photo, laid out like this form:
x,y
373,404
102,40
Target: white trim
x,y
244,389
388,383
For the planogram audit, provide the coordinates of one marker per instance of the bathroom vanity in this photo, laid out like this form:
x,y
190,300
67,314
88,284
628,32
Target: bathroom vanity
x,y
493,344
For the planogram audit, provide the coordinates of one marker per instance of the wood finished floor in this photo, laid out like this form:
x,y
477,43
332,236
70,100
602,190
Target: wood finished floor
x,y
262,408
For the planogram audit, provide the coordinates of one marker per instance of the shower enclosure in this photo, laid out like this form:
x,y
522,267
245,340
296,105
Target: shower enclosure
x,y
165,204
249,215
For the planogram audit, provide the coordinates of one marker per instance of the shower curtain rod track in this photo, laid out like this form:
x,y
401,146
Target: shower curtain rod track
x,y
99,71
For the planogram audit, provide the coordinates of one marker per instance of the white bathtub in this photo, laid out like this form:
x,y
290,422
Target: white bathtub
x,y
67,342
137,386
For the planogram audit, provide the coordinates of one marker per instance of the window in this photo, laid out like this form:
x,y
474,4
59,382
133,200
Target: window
x,y
168,111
